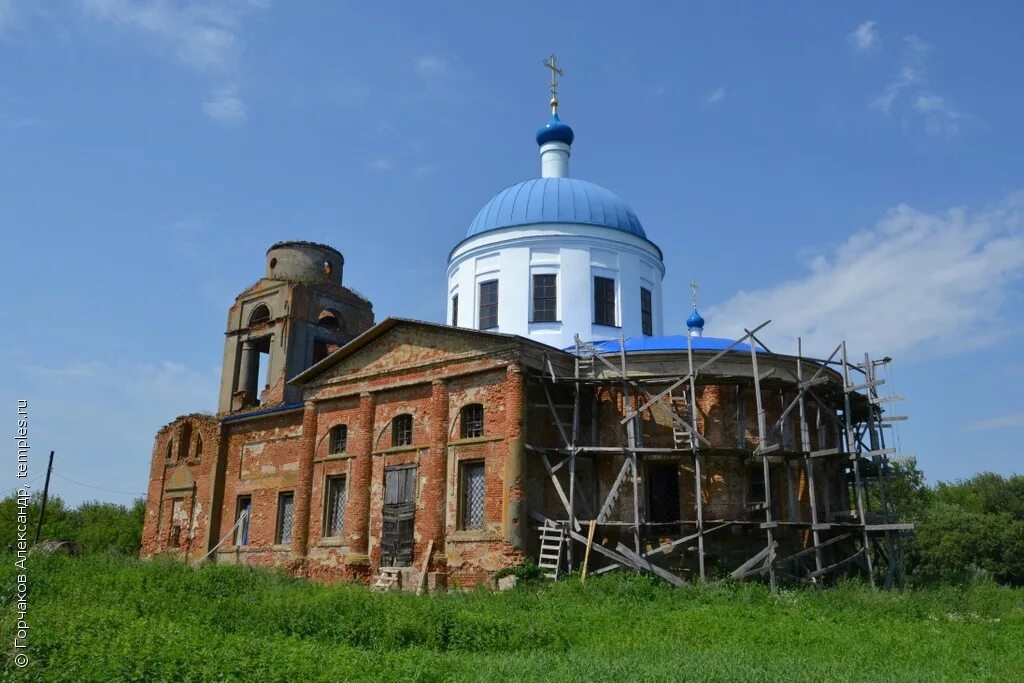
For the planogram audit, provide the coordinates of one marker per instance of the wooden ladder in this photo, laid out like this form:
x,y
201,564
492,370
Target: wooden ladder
x,y
681,437
586,366
389,578
552,539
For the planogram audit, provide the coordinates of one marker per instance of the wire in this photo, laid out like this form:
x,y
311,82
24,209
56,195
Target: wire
x,y
98,488
27,483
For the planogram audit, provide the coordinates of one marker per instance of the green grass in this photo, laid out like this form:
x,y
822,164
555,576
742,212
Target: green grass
x,y
110,618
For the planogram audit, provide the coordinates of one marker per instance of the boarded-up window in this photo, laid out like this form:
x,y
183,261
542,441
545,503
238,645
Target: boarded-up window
x,y
334,517
175,536
472,515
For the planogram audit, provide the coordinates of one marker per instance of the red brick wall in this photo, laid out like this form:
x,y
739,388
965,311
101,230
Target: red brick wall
x,y
189,443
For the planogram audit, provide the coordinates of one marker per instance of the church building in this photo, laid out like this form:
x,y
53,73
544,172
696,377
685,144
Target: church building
x,y
549,419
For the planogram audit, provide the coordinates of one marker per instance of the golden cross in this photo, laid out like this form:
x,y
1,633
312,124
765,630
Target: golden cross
x,y
693,292
552,63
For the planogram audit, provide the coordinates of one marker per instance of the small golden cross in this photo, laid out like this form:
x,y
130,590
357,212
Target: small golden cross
x,y
552,63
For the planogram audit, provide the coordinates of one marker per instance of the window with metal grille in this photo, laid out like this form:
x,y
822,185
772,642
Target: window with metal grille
x,y
401,430
604,301
285,510
455,310
338,438
472,514
472,421
334,510
646,312
488,304
545,298
243,513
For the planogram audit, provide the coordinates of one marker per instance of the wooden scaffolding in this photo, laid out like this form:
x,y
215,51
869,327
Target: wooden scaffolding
x,y
867,537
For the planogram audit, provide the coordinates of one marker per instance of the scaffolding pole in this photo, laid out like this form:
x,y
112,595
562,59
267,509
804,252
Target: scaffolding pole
x,y
854,454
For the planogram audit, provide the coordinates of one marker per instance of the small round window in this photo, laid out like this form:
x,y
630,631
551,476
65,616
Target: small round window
x,y
328,267
273,263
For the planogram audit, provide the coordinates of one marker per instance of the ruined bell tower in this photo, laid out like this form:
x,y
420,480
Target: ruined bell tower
x,y
293,317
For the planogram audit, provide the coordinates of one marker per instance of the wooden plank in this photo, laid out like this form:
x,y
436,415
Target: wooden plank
x,y
558,486
558,420
815,548
666,548
613,493
761,555
586,553
685,379
865,385
653,568
426,564
825,451
878,400
832,567
610,554
813,382
889,527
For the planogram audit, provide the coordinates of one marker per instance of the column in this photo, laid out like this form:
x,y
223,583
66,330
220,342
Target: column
x,y
514,522
434,469
357,517
248,372
304,482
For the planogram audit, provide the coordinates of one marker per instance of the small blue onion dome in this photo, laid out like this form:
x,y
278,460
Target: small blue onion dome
x,y
554,131
695,321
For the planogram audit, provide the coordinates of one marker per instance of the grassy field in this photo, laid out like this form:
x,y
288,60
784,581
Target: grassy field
x,y
110,618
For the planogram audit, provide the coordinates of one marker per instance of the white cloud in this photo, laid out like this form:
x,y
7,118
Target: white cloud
x,y
922,107
912,281
432,67
865,36
1011,421
717,96
202,35
6,14
939,117
911,73
382,165
224,106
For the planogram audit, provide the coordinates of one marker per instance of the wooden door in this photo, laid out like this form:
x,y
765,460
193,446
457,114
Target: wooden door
x,y
399,516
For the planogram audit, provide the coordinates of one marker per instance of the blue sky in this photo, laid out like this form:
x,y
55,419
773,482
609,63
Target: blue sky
x,y
850,172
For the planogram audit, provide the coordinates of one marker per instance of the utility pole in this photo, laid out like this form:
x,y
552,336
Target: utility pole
x,y
46,491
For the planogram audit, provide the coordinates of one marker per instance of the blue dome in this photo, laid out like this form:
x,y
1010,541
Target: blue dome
x,y
556,200
695,321
555,131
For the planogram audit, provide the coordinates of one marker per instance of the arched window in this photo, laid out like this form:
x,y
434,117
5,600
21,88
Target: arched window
x,y
170,449
199,447
259,315
330,319
338,439
472,421
401,430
